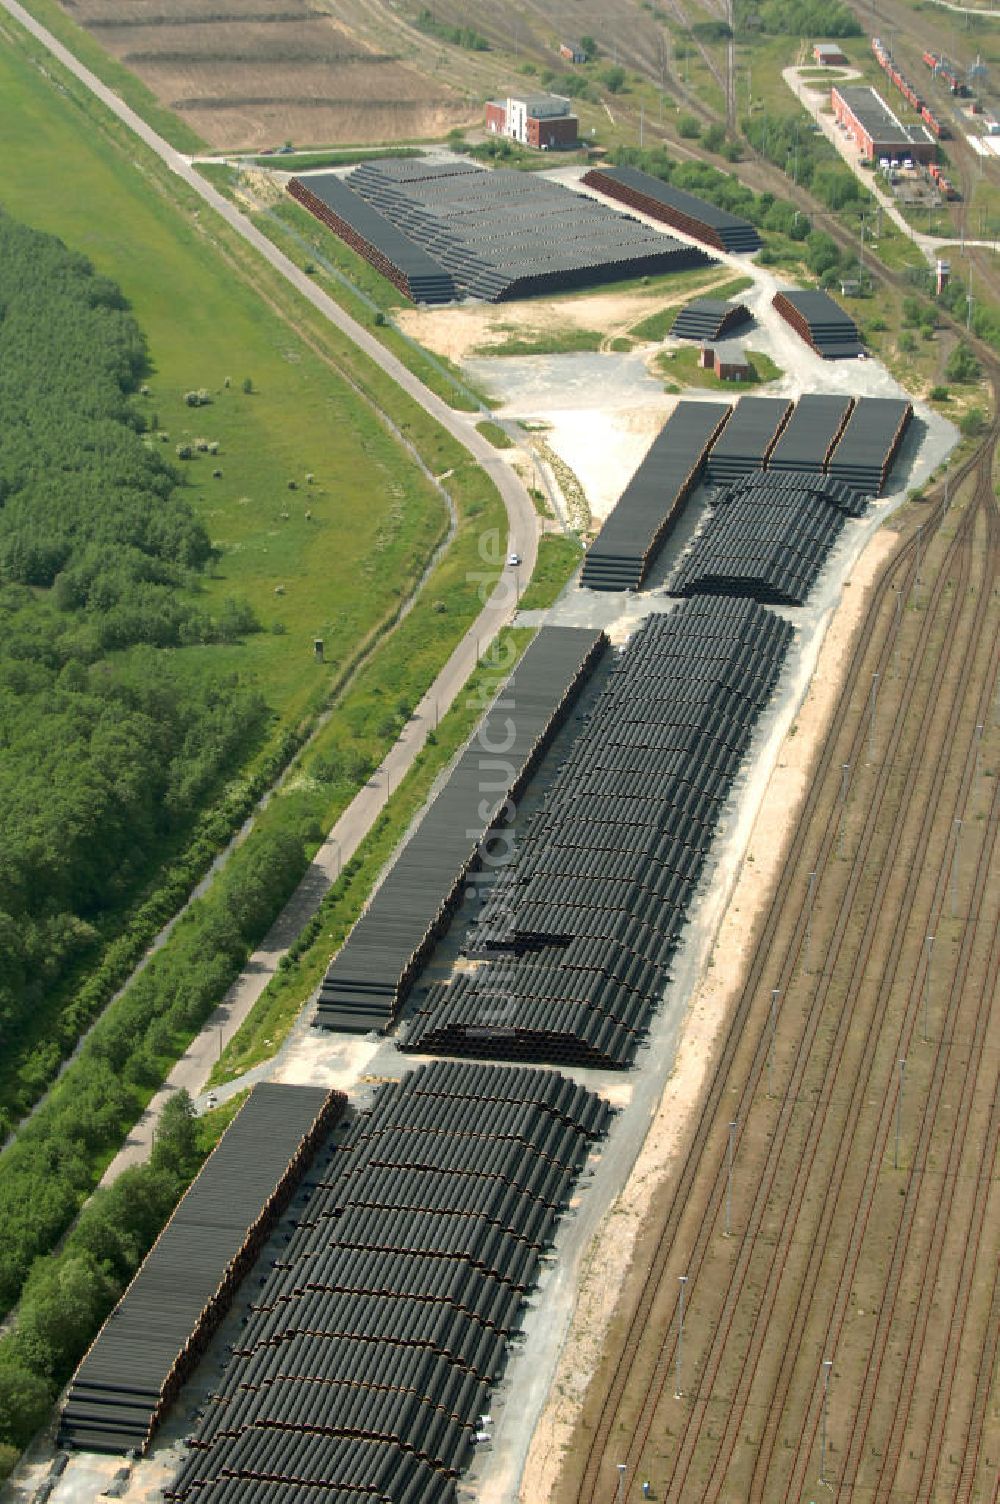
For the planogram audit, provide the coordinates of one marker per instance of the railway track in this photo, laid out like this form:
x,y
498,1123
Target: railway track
x,y
831,1067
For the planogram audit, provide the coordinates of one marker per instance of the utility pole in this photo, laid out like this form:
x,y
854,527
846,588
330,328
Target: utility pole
x,y
775,994
682,1279
929,942
871,729
845,769
729,1180
827,1365
642,121
620,1493
899,1112
954,871
809,922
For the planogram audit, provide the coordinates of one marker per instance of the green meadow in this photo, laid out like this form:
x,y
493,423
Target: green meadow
x,y
330,558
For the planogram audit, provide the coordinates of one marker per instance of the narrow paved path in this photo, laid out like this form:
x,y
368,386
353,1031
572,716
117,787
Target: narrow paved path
x,y
193,1069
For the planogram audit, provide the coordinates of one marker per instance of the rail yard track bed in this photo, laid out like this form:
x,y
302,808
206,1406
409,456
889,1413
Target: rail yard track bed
x,y
863,1208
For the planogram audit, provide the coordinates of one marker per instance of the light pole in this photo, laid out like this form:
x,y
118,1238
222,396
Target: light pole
x,y
916,581
775,994
954,870
845,769
729,1180
827,1365
871,728
682,1281
336,847
929,942
620,1492
979,749
899,1112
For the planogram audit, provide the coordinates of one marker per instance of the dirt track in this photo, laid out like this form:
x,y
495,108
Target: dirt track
x,y
836,1251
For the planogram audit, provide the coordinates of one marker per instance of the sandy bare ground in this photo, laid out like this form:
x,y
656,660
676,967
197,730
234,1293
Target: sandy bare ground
x,y
461,332
611,1253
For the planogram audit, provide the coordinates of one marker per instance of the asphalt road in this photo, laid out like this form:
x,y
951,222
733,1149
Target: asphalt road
x,y
193,1069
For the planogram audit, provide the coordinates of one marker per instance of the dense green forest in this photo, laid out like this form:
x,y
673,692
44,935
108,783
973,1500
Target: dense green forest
x,y
108,751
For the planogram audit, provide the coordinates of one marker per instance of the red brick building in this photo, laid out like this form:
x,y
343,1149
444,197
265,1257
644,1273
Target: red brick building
x,y
543,121
875,130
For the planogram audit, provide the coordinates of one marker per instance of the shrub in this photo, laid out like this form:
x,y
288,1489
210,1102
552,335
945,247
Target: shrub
x,y
939,394
972,423
962,365
689,127
613,78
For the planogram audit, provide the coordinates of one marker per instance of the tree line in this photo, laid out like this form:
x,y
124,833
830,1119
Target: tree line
x,y
109,749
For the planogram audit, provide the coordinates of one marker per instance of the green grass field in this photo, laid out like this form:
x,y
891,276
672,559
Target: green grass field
x,y
559,557
328,559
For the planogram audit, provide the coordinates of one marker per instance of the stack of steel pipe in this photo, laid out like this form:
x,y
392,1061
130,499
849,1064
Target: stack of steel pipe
x,y
414,904
160,1327
773,485
495,234
652,502
367,1358
672,206
745,444
809,437
821,322
579,929
770,545
416,274
709,320
863,455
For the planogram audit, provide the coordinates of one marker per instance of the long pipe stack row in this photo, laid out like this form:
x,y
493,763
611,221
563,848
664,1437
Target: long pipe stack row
x,y
651,504
416,274
374,969
673,206
746,442
810,436
579,930
161,1326
369,1352
869,443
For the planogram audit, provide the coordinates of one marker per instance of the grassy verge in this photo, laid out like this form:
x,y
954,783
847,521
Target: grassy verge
x,y
498,437
303,966
559,558
312,161
657,326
